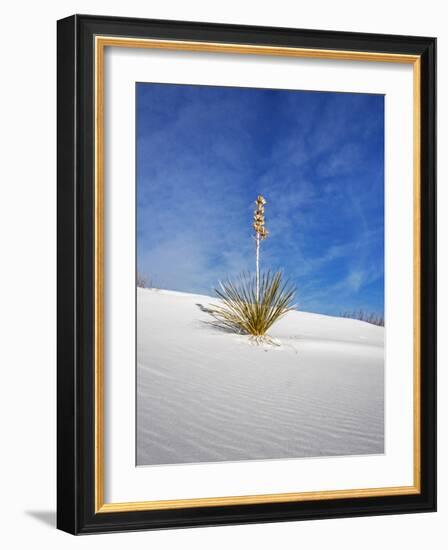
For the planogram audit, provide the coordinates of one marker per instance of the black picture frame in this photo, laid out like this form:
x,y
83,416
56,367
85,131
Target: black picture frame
x,y
76,512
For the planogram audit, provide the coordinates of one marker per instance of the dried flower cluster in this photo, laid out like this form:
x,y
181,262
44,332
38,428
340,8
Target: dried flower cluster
x,y
258,224
260,234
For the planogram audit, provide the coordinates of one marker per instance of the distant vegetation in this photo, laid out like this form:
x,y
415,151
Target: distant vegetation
x,y
143,282
361,315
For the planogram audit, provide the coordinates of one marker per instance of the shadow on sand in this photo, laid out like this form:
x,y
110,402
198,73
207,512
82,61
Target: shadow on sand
x,y
216,324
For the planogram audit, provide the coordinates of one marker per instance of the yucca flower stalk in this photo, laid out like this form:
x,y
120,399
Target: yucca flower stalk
x,y
261,233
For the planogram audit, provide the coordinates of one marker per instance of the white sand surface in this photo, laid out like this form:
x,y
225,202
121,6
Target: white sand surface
x,y
206,395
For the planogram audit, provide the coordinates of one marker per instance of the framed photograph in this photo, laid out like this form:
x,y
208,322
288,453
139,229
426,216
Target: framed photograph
x,y
246,274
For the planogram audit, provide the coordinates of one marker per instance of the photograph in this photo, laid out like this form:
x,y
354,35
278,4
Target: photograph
x,y
246,321
260,310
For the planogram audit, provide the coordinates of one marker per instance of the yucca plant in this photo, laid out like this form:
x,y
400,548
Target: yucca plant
x,y
250,309
251,305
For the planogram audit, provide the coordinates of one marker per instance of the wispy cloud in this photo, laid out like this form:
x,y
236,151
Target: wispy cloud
x,y
204,153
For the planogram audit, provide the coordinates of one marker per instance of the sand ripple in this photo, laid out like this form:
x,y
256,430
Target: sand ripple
x,y
204,395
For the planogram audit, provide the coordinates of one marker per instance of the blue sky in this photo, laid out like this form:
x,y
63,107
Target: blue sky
x,y
205,153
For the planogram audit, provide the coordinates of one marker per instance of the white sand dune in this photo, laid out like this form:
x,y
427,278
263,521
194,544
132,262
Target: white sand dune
x,y
205,395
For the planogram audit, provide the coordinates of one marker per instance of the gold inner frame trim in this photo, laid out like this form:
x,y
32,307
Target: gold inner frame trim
x,y
101,42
